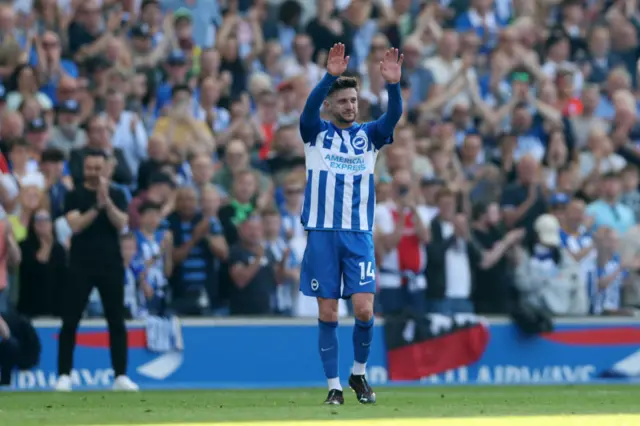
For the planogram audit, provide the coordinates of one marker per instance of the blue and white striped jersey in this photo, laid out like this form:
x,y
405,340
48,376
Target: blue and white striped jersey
x,y
577,242
150,253
610,298
340,189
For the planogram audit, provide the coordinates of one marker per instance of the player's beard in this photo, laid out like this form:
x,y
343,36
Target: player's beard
x,y
340,118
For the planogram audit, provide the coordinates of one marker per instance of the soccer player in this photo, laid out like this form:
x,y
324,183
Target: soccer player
x,y
338,210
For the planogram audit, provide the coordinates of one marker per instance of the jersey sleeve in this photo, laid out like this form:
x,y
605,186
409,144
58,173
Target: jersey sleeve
x,y
310,122
381,131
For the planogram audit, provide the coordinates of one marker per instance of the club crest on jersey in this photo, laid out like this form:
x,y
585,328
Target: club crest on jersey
x,y
315,285
360,142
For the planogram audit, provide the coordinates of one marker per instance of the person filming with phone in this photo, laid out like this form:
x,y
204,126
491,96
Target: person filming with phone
x,y
402,232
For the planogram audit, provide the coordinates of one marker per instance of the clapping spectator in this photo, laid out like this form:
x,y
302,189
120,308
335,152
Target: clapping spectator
x,y
43,270
606,297
402,232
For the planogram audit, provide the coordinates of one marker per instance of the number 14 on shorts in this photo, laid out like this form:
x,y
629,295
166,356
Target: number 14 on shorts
x,y
367,273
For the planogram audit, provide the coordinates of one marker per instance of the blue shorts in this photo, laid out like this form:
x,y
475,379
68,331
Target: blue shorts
x,y
332,255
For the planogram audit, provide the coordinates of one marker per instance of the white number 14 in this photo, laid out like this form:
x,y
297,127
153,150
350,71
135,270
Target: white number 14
x,y
368,271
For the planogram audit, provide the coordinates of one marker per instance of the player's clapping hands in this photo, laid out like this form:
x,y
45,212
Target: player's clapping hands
x,y
336,61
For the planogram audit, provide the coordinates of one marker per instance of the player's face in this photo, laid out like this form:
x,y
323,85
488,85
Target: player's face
x,y
344,106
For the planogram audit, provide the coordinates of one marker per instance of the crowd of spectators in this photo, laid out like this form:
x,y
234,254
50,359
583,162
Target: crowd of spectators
x,y
513,175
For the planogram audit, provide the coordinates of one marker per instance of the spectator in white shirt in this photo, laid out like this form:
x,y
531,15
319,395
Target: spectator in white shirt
x,y
128,133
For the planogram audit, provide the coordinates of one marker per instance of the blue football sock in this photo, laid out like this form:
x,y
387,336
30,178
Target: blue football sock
x,y
328,347
362,336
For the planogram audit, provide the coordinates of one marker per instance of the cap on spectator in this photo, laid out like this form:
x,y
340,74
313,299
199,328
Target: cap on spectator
x,y
559,199
548,229
141,30
176,57
37,125
70,106
182,13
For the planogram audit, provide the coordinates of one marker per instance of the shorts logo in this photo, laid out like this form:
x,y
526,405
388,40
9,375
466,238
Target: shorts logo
x,y
359,142
315,285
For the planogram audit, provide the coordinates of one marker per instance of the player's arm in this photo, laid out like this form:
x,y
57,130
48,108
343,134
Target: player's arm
x,y
391,70
310,122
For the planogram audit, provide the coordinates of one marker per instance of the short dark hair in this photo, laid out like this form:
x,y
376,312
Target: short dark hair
x,y
148,206
18,143
180,88
95,153
343,83
52,155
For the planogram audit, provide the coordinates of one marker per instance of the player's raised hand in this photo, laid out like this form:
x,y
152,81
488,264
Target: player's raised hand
x,y
391,66
336,61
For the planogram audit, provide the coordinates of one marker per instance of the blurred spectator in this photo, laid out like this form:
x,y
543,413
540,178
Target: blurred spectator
x,y
195,247
67,134
43,270
523,201
254,271
451,257
607,210
494,280
99,136
547,276
403,231
612,275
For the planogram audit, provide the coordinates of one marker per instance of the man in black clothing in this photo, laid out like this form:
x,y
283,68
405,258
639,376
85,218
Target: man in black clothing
x,y
96,215
254,272
99,138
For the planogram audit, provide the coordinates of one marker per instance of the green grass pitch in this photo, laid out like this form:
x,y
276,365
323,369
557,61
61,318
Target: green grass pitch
x,y
424,406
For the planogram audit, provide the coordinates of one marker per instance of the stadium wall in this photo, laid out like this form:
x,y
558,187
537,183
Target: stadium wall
x,y
283,353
